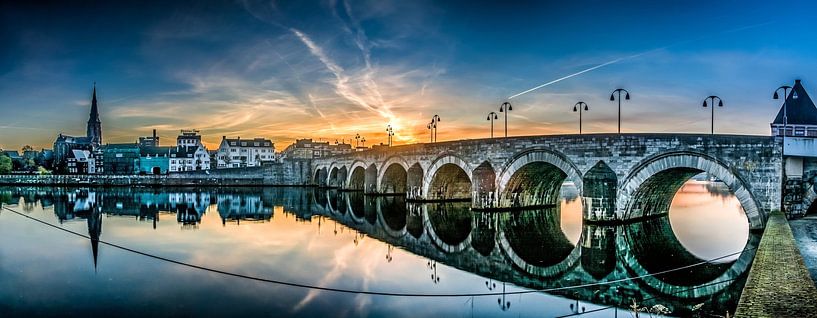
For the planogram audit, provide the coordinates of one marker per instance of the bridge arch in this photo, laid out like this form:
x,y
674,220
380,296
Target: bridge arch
x,y
321,176
337,176
650,186
533,241
393,215
449,226
393,176
356,178
448,177
534,177
646,239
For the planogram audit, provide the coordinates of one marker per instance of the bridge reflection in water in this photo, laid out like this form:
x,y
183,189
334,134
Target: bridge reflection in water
x,y
529,248
548,247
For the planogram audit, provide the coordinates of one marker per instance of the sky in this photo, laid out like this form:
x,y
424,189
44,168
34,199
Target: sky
x,y
332,69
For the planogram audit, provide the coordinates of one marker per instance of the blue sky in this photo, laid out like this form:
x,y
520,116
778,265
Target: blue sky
x,y
331,69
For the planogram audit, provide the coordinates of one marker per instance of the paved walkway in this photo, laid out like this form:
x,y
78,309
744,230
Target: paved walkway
x,y
779,285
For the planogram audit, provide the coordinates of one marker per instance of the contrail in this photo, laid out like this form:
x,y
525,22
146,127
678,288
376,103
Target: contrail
x,y
568,76
637,55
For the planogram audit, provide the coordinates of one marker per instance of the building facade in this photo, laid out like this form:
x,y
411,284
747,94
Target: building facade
x,y
240,153
309,149
120,159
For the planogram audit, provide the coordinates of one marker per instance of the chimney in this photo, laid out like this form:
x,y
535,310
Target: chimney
x,y
797,81
223,137
154,134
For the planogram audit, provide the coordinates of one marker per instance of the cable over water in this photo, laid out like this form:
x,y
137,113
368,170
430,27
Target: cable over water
x,y
366,292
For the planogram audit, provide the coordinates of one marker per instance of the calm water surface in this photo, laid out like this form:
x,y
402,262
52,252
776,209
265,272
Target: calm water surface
x,y
356,242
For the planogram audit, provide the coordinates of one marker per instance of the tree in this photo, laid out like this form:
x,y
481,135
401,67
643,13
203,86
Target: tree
x,y
5,164
27,148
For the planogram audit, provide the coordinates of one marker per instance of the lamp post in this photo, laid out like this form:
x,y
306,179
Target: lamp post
x,y
785,89
430,131
357,140
363,141
578,108
389,132
491,117
613,98
434,120
712,99
505,108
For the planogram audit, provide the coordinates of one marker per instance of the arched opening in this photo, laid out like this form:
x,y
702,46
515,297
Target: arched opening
x,y
394,180
450,182
534,185
535,240
337,177
370,183
484,186
451,224
600,187
356,204
320,177
655,249
414,181
338,201
358,179
650,188
394,212
320,198
654,196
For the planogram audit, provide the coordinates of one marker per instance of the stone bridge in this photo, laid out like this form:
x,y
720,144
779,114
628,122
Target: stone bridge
x,y
620,177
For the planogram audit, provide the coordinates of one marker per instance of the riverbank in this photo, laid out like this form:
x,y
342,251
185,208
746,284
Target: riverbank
x,y
779,285
288,173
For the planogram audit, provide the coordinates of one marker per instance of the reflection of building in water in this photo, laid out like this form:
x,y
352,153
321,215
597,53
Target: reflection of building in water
x,y
236,207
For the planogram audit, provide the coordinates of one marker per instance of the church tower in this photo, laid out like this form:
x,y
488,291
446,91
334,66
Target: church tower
x,y
94,130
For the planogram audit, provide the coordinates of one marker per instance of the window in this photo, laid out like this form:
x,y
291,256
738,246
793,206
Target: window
x,y
255,144
232,150
232,143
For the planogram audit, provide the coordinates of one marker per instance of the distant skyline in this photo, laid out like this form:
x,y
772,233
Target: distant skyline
x,y
333,69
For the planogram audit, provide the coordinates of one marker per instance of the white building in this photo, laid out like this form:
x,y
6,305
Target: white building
x,y
80,162
236,153
190,154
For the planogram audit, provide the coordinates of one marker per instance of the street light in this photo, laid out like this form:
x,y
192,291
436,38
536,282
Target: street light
x,y
491,117
389,132
785,89
578,108
613,98
434,120
430,131
505,108
363,141
712,99
357,140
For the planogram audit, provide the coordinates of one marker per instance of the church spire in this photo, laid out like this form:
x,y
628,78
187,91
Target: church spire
x,y
94,109
94,130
